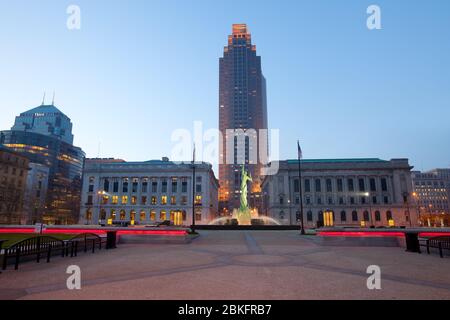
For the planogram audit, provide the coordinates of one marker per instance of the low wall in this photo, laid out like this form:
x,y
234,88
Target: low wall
x,y
155,239
253,227
359,237
124,235
361,241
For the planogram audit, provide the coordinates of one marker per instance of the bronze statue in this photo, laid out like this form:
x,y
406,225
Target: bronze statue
x,y
245,178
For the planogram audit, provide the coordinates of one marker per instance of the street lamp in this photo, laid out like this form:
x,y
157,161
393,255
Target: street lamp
x,y
406,201
101,194
193,191
367,194
300,156
416,198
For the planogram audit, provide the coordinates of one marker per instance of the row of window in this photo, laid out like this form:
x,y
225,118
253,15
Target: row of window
x,y
317,185
14,171
354,216
341,200
12,183
153,215
431,195
9,158
430,183
144,186
144,200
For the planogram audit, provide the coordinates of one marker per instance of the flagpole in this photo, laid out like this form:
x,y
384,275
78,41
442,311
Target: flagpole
x,y
302,230
193,192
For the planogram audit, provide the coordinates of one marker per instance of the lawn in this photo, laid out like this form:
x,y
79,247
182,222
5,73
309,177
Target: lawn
x,y
13,238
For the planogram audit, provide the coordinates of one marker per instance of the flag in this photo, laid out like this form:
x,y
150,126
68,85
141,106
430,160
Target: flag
x,y
193,155
300,153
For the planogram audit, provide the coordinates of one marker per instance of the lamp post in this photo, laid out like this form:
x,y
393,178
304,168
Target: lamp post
x,y
101,194
367,194
416,198
300,156
406,202
193,192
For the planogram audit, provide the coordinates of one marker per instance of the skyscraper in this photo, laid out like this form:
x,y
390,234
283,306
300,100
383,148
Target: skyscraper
x,y
47,120
242,105
44,135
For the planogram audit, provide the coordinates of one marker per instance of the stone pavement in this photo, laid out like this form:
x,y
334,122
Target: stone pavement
x,y
235,265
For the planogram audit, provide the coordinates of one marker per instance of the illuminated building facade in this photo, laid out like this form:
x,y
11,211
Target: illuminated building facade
x,y
147,192
53,149
242,105
13,176
432,194
342,192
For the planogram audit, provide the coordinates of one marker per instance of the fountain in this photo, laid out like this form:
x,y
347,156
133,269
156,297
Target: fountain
x,y
245,216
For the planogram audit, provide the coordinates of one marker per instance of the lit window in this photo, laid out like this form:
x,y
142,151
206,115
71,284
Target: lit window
x,y
173,200
163,200
153,215
328,218
162,215
115,199
124,199
133,200
198,200
154,201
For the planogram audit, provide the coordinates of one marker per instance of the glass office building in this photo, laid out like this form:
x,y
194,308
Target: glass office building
x,y
54,150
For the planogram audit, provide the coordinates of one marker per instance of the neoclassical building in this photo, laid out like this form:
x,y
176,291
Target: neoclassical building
x,y
342,192
147,192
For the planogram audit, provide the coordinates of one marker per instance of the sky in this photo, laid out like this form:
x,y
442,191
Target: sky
x,y
138,70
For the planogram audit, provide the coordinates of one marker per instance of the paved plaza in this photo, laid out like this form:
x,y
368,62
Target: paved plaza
x,y
235,265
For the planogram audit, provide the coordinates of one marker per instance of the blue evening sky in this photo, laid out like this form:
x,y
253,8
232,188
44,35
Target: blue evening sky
x,y
137,70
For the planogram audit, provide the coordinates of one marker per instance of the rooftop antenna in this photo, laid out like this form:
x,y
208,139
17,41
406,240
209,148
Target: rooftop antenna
x,y
43,100
53,101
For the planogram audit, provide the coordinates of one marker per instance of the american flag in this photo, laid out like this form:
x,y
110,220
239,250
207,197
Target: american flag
x,y
300,153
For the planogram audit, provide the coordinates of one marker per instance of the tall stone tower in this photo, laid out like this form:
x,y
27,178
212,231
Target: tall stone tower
x,y
242,105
